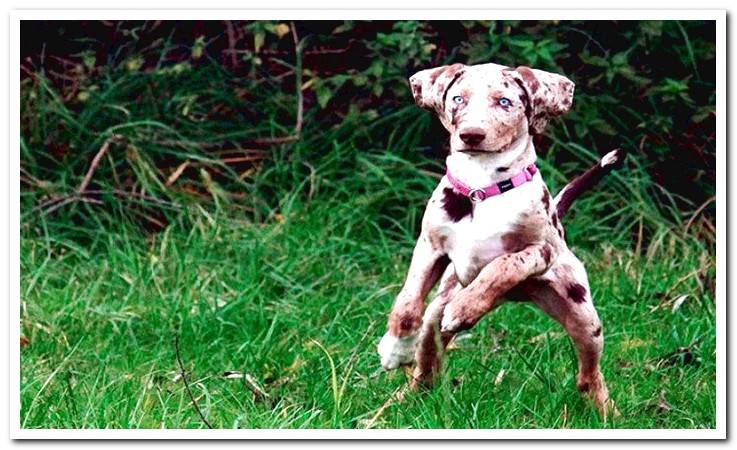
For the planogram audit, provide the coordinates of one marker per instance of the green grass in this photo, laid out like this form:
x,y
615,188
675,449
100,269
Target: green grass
x,y
286,299
291,281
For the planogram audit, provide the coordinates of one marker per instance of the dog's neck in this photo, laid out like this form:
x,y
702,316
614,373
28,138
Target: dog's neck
x,y
481,169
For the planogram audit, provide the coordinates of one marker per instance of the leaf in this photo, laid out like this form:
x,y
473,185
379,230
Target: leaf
x,y
134,63
378,89
678,302
324,94
376,69
258,40
499,377
232,374
652,27
593,60
281,30
89,59
347,26
702,113
662,404
198,47
619,59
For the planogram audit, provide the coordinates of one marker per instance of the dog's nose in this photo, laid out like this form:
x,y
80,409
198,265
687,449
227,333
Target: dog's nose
x,y
472,136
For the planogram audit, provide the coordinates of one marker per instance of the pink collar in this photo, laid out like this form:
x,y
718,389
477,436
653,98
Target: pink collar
x,y
481,194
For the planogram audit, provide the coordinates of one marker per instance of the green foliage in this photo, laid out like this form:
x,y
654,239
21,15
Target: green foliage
x,y
646,86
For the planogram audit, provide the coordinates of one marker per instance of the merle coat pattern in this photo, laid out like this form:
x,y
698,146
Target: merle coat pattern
x,y
506,247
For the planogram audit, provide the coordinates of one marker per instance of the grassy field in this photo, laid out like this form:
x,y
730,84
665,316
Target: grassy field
x,y
298,302
277,277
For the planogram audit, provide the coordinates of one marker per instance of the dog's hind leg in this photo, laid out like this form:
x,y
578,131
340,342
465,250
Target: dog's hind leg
x,y
431,343
563,293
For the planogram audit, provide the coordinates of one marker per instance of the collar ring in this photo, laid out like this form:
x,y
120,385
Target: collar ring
x,y
477,195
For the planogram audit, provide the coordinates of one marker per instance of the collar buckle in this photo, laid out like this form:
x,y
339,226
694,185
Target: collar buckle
x,y
477,195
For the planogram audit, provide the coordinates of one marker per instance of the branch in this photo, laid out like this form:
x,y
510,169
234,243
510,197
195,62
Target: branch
x,y
298,78
56,203
96,162
231,43
300,98
186,384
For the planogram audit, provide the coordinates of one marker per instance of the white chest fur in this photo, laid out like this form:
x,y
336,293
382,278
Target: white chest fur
x,y
477,238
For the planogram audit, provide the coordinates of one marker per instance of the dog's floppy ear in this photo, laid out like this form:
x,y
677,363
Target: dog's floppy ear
x,y
548,94
430,85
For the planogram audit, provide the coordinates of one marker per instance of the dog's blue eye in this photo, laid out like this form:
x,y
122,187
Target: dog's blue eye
x,y
504,101
458,99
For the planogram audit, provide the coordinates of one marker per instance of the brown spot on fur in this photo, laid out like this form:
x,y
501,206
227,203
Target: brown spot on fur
x,y
406,323
436,73
583,387
437,240
525,101
452,75
546,199
505,135
454,117
529,78
546,253
576,293
502,169
456,206
514,242
403,322
494,96
523,234
597,332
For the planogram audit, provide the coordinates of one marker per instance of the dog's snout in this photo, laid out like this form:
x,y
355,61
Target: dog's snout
x,y
472,136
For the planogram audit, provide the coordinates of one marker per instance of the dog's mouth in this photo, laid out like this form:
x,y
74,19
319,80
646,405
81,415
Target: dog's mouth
x,y
476,151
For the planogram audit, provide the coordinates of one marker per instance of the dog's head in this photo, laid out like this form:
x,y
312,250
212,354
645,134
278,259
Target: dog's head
x,y
489,107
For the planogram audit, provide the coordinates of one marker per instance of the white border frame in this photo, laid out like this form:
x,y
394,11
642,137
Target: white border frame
x,y
720,432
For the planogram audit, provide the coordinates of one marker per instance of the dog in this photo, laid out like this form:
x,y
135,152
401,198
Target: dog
x,y
491,231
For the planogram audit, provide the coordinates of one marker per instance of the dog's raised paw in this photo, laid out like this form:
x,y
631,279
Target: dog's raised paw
x,y
450,324
395,351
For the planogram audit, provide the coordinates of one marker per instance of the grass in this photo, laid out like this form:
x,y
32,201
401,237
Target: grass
x,y
289,283
299,302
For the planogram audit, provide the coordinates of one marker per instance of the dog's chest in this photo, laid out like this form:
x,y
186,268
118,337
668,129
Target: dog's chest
x,y
490,228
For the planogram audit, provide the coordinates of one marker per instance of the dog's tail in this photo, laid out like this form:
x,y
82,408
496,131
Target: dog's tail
x,y
587,180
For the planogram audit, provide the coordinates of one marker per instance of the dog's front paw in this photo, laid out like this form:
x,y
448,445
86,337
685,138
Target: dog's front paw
x,y
453,321
450,324
395,352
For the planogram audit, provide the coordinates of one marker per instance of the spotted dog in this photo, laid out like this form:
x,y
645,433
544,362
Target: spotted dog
x,y
491,231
